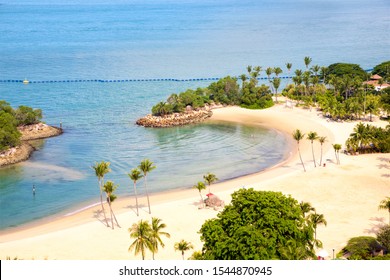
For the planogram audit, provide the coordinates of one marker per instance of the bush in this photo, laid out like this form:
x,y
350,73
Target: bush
x,y
361,248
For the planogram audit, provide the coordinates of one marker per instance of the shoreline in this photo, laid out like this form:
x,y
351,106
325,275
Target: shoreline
x,y
24,151
62,234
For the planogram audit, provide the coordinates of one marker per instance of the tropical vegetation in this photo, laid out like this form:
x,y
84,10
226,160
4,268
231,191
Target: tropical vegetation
x,y
11,118
368,139
147,237
183,246
259,225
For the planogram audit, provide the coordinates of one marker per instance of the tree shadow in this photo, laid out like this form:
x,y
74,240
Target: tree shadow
x,y
98,215
141,207
376,225
385,165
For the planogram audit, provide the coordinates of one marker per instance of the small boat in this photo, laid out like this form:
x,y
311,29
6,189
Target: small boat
x,y
25,81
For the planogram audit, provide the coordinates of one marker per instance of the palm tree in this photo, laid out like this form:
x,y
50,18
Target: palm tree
x,y
276,83
183,246
141,233
101,169
288,66
337,148
312,136
243,79
277,71
109,189
156,233
200,186
317,219
135,175
146,166
385,205
322,140
269,72
209,178
306,207
298,136
307,61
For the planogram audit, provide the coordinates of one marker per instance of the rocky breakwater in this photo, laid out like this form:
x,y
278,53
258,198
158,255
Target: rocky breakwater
x,y
25,149
175,119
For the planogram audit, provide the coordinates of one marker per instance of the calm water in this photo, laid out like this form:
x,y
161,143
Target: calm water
x,y
60,40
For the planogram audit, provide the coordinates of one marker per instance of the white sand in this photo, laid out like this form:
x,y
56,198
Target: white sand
x,y
348,195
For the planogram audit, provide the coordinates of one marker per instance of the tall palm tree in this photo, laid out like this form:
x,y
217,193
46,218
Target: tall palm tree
x,y
243,79
156,233
277,71
385,205
141,233
269,72
135,175
322,140
317,219
109,187
183,246
101,169
307,61
288,66
298,136
209,178
200,186
306,207
337,148
312,136
276,83
146,166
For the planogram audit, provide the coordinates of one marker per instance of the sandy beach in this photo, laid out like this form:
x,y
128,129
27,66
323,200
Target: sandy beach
x,y
347,194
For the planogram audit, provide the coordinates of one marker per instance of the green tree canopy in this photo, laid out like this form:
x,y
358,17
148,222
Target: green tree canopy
x,y
361,248
341,69
382,69
258,225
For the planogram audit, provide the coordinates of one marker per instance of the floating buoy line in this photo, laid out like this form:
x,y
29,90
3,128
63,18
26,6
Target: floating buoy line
x,y
26,81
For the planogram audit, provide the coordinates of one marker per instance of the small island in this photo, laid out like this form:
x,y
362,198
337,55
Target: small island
x,y
17,128
194,106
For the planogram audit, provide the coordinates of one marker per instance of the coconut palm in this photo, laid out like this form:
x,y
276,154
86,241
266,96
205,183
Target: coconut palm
x,y
288,66
269,72
209,178
243,79
101,169
322,140
385,205
146,166
183,246
337,148
276,83
109,187
306,207
135,175
317,219
312,136
200,186
298,136
141,233
307,61
156,233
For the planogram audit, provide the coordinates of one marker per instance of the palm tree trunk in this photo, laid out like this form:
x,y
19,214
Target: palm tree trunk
x,y
109,205
115,219
182,254
299,151
101,203
201,198
136,198
147,193
312,151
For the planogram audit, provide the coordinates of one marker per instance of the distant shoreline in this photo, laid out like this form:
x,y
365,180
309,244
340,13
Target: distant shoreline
x,y
25,149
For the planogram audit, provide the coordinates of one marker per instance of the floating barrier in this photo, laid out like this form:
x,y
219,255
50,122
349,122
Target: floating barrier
x,y
25,81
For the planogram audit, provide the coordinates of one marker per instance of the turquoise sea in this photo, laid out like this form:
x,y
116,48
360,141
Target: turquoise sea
x,y
117,40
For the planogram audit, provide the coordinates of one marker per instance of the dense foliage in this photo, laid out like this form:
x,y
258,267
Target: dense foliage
x,y
342,69
382,70
225,91
259,225
368,138
10,119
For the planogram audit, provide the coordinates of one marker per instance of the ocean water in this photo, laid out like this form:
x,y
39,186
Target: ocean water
x,y
68,40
